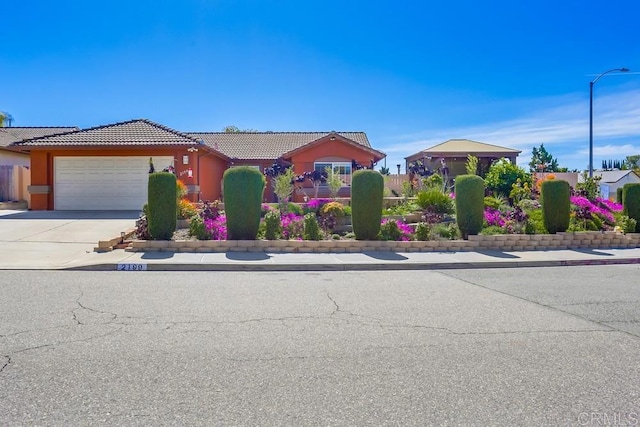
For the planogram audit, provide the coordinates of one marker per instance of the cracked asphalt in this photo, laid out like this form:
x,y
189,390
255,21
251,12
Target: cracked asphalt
x,y
527,346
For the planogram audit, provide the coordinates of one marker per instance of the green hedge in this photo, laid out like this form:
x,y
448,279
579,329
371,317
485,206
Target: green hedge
x,y
556,205
243,190
469,191
631,202
367,189
162,207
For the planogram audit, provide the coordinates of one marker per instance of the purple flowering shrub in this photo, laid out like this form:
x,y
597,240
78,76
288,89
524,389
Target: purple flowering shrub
x,y
391,229
314,206
217,227
292,226
512,220
593,215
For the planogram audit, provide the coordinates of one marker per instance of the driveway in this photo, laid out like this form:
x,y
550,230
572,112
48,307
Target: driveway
x,y
53,239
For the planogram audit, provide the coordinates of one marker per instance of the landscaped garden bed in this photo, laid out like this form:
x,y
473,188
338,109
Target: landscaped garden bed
x,y
535,214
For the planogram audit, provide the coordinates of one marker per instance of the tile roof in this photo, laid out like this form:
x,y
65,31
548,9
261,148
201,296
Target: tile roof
x,y
610,176
139,132
266,145
9,135
468,146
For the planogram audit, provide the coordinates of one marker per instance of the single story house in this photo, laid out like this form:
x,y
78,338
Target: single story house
x,y
106,167
306,151
454,152
610,181
14,164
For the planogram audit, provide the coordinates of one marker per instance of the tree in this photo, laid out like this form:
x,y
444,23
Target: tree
x,y
502,175
235,129
385,170
631,162
542,161
5,119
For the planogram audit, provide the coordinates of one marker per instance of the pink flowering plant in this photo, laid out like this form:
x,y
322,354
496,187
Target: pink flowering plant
x,y
595,215
391,229
217,227
314,206
292,226
512,220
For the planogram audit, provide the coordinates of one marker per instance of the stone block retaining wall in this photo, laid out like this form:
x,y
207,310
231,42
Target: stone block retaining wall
x,y
505,242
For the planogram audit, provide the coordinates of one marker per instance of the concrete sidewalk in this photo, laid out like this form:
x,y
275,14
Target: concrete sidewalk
x,y
65,240
263,261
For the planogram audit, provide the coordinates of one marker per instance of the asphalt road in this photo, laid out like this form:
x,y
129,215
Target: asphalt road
x,y
542,346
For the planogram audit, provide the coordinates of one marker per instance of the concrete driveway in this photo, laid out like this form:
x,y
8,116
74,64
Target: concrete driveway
x,y
53,239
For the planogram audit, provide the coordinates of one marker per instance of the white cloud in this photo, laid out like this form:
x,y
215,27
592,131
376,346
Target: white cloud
x,y
562,126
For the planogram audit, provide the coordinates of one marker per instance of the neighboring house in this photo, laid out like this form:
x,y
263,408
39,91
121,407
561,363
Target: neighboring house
x,y
107,167
307,151
9,135
612,180
14,164
454,153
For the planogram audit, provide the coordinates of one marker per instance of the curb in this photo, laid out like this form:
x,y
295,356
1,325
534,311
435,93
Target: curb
x,y
239,267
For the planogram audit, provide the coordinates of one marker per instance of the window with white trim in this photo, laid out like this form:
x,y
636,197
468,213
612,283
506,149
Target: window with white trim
x,y
341,168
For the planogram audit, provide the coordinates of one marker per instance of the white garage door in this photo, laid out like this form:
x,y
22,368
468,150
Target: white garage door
x,y
103,183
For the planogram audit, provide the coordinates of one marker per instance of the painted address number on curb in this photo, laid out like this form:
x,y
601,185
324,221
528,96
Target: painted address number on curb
x,y
131,267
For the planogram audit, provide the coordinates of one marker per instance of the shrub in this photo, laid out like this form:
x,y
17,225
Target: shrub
x,y
619,195
626,224
445,231
142,228
314,206
367,187
469,204
181,189
162,205
391,229
422,231
311,228
292,226
283,187
217,227
197,229
186,209
589,187
435,201
556,205
243,190
502,175
491,230
495,202
294,208
273,225
631,203
535,223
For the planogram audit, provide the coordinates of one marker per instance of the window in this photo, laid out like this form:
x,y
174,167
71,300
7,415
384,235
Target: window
x,y
251,166
341,168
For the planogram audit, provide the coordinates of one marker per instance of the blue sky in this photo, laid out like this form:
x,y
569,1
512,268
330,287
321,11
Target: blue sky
x,y
410,74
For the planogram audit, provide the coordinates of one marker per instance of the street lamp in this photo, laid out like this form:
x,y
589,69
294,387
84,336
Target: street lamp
x,y
591,83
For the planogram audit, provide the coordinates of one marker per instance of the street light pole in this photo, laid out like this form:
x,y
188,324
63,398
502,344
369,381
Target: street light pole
x,y
591,83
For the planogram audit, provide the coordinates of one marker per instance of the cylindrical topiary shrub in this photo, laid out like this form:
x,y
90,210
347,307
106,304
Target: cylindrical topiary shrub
x,y
243,189
162,206
631,202
469,191
619,194
556,205
367,188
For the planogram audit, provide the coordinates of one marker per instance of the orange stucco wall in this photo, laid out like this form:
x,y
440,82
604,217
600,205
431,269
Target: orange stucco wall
x,y
207,167
334,150
211,169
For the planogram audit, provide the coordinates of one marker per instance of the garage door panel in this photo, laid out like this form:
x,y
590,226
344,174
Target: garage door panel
x,y
102,183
